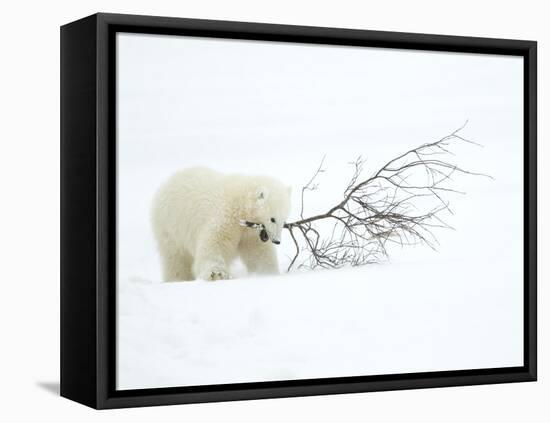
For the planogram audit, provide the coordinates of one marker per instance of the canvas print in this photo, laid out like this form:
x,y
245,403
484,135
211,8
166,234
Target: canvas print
x,y
301,211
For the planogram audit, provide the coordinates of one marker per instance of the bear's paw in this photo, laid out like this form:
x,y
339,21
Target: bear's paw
x,y
218,275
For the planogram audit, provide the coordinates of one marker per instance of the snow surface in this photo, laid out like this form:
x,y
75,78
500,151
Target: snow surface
x,y
277,109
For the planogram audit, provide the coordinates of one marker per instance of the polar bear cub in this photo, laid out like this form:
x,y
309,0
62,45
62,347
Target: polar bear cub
x,y
203,220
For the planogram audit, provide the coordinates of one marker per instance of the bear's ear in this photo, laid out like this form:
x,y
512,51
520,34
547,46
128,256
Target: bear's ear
x,y
261,194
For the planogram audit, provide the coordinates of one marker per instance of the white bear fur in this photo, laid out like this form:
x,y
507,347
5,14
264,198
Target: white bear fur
x,y
196,220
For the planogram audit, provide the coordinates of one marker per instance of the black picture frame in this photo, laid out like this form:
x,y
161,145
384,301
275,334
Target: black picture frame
x,y
88,201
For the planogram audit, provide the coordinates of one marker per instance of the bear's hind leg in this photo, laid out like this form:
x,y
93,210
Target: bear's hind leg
x,y
176,266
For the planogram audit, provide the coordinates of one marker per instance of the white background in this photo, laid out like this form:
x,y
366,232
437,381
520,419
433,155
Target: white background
x,y
30,229
276,109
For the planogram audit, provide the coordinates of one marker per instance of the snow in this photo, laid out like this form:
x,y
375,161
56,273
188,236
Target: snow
x,y
266,108
311,325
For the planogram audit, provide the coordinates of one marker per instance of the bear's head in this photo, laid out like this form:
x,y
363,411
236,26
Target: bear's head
x,y
269,206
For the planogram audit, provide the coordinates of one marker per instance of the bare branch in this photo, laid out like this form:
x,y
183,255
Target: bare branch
x,y
392,206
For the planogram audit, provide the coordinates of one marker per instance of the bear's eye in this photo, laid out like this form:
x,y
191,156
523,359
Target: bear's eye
x,y
273,219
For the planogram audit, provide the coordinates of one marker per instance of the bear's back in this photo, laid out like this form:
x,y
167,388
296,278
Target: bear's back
x,y
189,196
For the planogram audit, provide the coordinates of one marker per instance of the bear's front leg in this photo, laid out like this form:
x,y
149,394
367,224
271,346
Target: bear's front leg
x,y
212,258
259,257
213,271
211,267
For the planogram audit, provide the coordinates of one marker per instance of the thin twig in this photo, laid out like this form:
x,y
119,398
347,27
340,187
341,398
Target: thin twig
x,y
384,208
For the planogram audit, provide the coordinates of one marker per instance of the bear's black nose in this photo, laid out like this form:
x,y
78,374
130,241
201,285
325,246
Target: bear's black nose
x,y
263,235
